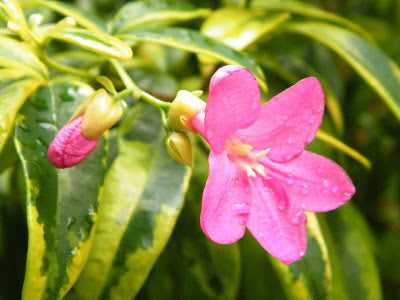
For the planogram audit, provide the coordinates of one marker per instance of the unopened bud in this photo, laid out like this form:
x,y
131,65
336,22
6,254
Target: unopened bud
x,y
185,106
69,146
100,114
180,148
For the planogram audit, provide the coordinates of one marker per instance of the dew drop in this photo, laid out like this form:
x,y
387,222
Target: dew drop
x,y
260,234
304,191
73,252
311,120
346,195
301,253
289,181
298,217
290,141
240,208
335,189
325,182
70,222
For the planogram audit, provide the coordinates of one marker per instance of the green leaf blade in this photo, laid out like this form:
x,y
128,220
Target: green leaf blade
x,y
154,13
143,195
192,41
61,204
378,70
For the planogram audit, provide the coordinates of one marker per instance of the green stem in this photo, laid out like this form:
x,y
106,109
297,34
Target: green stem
x,y
64,68
136,91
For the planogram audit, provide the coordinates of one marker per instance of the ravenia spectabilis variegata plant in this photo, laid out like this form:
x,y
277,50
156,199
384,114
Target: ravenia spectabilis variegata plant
x,y
106,123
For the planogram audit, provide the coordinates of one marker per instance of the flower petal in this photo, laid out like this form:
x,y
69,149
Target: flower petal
x,y
280,229
288,122
314,182
70,147
233,103
225,205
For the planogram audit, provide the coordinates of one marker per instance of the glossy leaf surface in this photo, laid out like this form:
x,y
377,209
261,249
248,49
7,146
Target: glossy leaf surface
x,y
142,198
61,205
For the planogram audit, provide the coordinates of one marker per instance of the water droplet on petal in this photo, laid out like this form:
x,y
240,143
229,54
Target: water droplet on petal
x,y
304,189
290,141
240,208
289,181
311,120
335,189
301,253
325,182
298,218
260,234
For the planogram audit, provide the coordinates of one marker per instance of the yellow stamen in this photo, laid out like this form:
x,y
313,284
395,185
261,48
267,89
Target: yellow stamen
x,y
259,169
256,156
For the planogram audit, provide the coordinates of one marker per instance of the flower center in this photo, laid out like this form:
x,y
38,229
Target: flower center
x,y
245,158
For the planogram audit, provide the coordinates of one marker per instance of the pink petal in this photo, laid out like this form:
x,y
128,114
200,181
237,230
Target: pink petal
x,y
288,122
313,182
233,103
70,147
225,204
279,228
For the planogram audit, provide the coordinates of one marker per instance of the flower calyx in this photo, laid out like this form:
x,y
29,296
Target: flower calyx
x,y
185,106
180,148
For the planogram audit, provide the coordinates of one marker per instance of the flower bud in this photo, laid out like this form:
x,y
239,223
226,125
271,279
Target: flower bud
x,y
185,106
70,147
78,138
100,114
180,148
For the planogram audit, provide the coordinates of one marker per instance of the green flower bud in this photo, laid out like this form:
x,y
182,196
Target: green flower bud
x,y
179,147
185,106
100,113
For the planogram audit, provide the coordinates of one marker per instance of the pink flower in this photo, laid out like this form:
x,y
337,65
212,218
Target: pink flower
x,y
70,147
260,176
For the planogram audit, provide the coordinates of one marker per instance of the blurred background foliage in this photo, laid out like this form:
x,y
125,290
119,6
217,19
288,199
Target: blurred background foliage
x,y
354,252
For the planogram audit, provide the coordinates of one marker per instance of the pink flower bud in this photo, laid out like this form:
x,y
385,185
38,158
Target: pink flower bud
x,y
70,147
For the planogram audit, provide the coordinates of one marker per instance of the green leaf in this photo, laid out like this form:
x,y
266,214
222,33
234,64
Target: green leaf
x,y
155,13
202,269
340,146
17,55
307,10
192,41
240,28
61,205
382,74
12,97
259,279
313,277
142,198
353,241
65,9
97,42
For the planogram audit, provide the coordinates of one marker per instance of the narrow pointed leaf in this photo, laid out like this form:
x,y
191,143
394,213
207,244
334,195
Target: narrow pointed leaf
x,y
355,248
61,205
17,55
12,97
97,42
308,10
155,13
340,146
142,197
83,19
240,28
381,73
192,41
313,277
